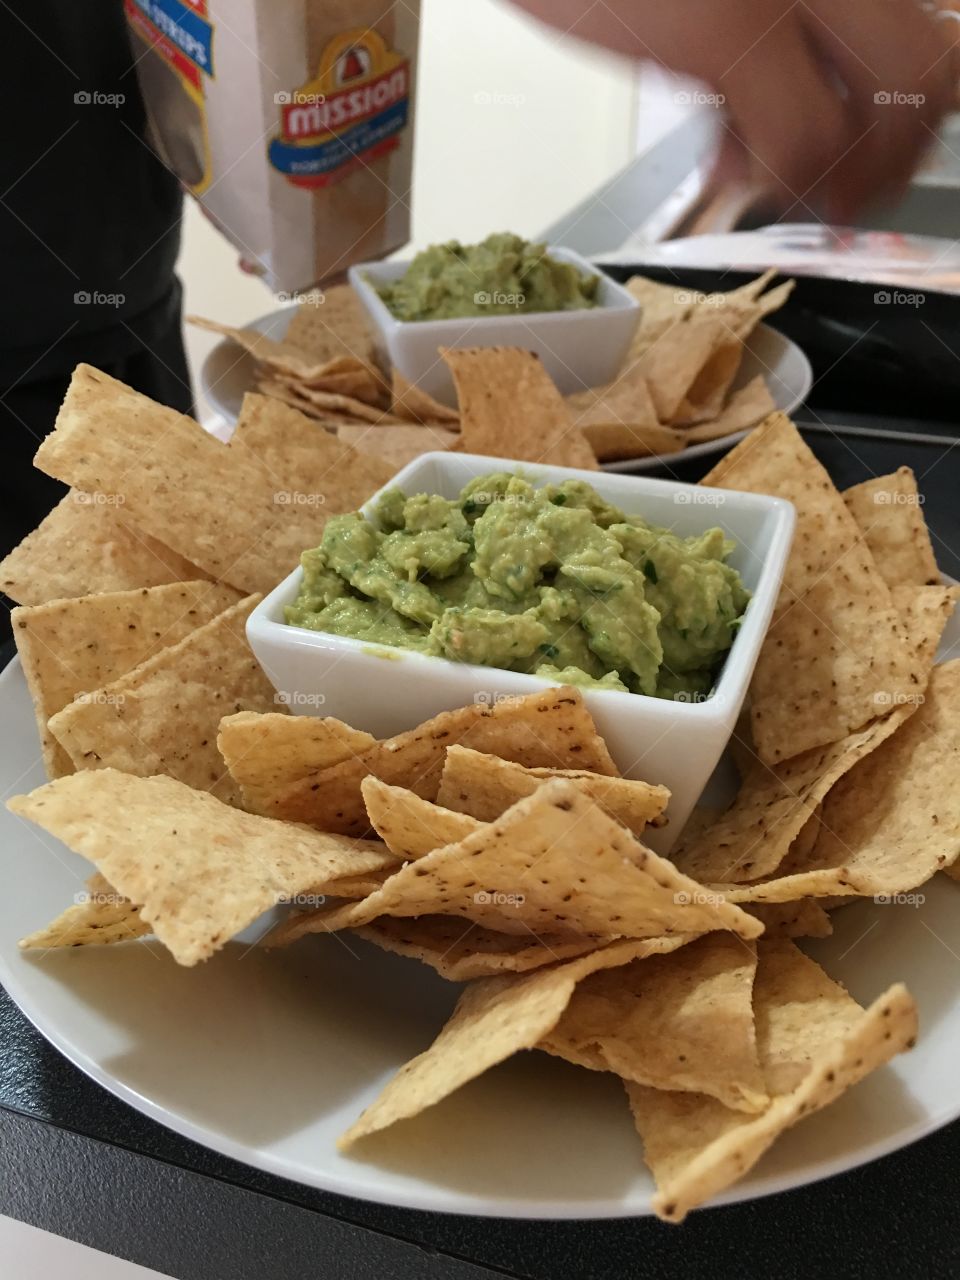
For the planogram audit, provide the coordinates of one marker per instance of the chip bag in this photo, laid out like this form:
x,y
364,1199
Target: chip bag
x,y
289,120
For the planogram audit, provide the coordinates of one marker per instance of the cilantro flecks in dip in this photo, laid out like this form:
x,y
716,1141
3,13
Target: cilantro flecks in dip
x,y
504,275
552,581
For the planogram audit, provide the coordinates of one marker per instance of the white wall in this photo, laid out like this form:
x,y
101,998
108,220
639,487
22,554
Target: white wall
x,y
515,125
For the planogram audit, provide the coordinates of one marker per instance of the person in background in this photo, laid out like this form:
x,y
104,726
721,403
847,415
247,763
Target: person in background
x,y
89,234
829,106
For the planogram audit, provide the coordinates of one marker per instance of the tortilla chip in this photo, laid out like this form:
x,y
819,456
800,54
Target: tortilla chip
x,y
553,863
396,446
268,752
745,408
68,647
661,306
550,728
460,950
510,408
626,399
804,919
412,403
162,716
889,512
751,839
301,460
335,326
99,917
409,825
203,498
814,1042
285,357
494,1019
682,1021
893,820
672,363
618,441
836,644
83,547
484,786
333,402
199,870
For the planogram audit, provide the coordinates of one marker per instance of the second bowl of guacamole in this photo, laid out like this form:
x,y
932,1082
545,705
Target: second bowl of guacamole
x,y
553,581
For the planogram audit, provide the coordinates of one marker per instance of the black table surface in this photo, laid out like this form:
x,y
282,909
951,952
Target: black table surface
x,y
79,1162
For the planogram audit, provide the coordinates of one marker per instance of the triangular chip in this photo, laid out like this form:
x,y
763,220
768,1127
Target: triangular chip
x,y
199,870
179,484
69,647
889,511
893,820
510,408
550,728
485,786
409,825
671,364
836,641
679,1021
814,1042
804,919
460,950
553,863
83,547
285,356
162,716
396,446
618,441
269,751
99,917
305,463
416,405
745,408
494,1019
332,324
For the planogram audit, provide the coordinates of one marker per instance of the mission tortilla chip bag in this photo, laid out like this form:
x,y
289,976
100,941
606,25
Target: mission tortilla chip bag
x,y
292,129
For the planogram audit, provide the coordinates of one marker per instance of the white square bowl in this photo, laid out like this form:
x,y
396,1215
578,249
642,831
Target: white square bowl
x,y
386,690
579,349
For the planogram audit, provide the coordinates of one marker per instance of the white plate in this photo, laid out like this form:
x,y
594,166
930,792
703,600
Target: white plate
x,y
268,1056
229,372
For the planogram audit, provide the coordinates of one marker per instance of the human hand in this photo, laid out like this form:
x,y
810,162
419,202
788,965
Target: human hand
x,y
826,105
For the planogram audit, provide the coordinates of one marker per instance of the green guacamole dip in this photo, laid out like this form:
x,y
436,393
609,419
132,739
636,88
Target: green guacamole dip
x,y
552,581
504,275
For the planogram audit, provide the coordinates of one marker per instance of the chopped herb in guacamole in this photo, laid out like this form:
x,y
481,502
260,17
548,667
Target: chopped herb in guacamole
x,y
503,275
553,581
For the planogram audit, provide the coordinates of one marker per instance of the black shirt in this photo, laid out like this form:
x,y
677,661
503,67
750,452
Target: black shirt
x,y
86,209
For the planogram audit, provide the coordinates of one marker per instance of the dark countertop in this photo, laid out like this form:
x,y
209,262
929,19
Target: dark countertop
x,y
76,1161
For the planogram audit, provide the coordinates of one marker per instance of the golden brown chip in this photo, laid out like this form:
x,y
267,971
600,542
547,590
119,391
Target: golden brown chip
x,y
334,324
177,483
804,919
836,643
889,511
416,405
335,403
83,547
285,357
484,786
671,364
553,863
618,441
550,728
460,950
893,820
162,716
626,399
199,870
267,752
494,1019
409,825
396,446
69,647
661,306
751,839
814,1042
746,407
510,408
306,464
680,1021
99,917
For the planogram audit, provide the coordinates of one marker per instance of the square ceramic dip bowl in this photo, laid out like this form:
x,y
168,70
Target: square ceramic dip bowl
x,y
583,348
386,690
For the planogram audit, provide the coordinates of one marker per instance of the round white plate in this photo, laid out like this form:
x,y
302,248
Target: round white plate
x,y
267,1056
229,372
